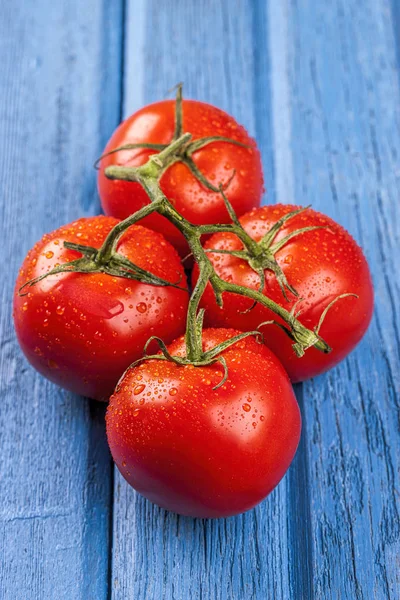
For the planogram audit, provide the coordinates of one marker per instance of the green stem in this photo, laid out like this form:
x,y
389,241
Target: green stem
x,y
238,231
193,336
154,167
110,243
178,112
148,175
308,336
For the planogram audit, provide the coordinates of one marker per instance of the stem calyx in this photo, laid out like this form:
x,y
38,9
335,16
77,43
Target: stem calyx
x,y
184,154
104,260
208,358
261,255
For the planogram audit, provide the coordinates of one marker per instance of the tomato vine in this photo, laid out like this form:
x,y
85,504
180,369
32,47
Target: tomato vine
x,y
260,256
148,175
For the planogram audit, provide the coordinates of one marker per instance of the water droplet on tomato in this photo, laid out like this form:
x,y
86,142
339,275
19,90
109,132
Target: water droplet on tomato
x,y
49,254
262,418
141,307
124,463
246,407
135,412
288,259
60,310
139,389
173,392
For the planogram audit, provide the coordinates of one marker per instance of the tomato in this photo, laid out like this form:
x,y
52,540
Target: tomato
x,y
217,161
319,264
200,451
81,330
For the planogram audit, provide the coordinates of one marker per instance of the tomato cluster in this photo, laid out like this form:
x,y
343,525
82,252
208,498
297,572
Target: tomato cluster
x,y
209,425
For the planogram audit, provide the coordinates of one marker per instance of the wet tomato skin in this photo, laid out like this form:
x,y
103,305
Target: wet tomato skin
x,y
202,452
155,124
320,264
82,331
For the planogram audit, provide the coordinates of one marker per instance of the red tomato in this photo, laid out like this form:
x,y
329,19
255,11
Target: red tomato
x,y
83,330
200,451
320,265
155,124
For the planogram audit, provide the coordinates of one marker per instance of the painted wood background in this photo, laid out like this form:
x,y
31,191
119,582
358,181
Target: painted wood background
x,y
318,85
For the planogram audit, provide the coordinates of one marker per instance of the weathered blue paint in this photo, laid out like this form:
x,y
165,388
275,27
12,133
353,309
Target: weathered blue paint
x,y
343,74
59,101
317,83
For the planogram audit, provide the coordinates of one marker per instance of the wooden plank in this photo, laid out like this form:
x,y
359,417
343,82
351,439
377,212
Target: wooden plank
x,y
220,51
59,101
343,76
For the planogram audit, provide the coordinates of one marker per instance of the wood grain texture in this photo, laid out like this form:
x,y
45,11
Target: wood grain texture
x,y
59,101
343,75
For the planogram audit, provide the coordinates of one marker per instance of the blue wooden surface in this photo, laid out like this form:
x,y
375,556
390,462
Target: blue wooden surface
x,y
318,85
59,100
